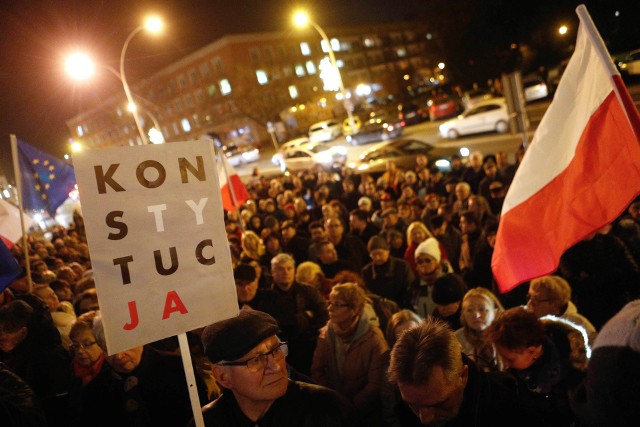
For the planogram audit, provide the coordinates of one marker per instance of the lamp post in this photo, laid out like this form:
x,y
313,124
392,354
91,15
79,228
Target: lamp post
x,y
301,19
153,25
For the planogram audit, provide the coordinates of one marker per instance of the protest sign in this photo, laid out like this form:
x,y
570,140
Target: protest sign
x,y
155,228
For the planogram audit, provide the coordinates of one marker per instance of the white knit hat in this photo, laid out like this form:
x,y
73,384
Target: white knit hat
x,y
429,247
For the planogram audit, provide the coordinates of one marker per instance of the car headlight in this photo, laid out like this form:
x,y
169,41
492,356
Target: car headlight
x,y
443,163
325,157
363,167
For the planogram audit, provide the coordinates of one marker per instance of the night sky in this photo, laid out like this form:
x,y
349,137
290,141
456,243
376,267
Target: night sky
x,y
36,96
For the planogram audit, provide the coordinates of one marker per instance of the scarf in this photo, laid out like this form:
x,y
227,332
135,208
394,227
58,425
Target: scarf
x,y
87,374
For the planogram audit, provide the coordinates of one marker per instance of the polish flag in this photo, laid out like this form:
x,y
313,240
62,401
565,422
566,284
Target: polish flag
x,y
580,172
10,228
234,195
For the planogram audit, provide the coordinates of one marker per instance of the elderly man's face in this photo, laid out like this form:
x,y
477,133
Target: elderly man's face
x,y
438,400
246,291
255,388
540,302
283,274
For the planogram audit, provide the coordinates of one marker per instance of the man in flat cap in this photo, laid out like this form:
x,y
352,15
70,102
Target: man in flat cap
x,y
249,363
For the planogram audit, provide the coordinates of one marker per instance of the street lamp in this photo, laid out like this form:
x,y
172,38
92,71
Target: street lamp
x,y
81,67
301,19
153,25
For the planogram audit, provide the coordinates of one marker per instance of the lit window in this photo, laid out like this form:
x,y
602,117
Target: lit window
x,y
176,129
225,87
212,90
335,44
311,67
293,91
186,126
369,42
262,77
80,130
300,70
401,52
340,63
305,49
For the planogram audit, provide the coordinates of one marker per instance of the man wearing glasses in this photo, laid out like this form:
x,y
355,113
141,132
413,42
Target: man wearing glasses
x,y
249,363
443,387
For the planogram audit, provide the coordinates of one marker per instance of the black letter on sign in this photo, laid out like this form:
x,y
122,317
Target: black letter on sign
x,y
111,222
201,258
124,268
184,165
162,174
174,262
102,179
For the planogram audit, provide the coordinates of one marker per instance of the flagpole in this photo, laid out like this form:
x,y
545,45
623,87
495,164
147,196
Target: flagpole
x,y
600,48
16,173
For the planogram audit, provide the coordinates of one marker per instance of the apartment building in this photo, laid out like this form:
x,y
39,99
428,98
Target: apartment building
x,y
242,85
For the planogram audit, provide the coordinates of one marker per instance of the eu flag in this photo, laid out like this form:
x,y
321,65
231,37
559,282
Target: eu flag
x,y
46,181
9,267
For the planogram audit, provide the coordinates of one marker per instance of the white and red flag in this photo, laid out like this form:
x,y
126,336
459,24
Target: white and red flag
x,y
580,172
232,190
10,227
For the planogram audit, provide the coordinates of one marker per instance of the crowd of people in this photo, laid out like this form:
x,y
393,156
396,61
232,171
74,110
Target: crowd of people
x,y
364,301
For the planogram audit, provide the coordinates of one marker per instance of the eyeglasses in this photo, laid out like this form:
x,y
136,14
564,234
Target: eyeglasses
x,y
337,304
259,362
82,346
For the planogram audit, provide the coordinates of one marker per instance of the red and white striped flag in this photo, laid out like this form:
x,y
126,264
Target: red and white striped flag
x,y
580,172
234,195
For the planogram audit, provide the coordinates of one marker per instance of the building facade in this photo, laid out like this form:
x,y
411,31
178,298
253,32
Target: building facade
x,y
242,86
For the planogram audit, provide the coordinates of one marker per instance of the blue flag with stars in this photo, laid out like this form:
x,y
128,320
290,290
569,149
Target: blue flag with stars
x,y
46,180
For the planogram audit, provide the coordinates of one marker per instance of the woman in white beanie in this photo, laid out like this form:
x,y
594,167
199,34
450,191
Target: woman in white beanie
x,y
429,268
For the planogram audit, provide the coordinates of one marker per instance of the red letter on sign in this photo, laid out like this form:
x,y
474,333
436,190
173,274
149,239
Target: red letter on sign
x,y
133,313
173,303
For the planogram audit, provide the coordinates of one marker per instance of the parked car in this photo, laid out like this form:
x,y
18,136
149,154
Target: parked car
x,y
535,89
241,155
288,146
411,114
403,152
377,128
630,65
487,116
442,106
308,156
471,98
346,125
325,131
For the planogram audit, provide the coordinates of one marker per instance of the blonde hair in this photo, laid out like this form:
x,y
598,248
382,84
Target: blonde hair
x,y
555,286
251,243
413,226
482,293
307,272
398,318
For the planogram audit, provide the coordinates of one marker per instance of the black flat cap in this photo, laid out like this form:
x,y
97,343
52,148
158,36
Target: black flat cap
x,y
232,338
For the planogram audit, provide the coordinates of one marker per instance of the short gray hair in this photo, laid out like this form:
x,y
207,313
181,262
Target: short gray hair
x,y
282,258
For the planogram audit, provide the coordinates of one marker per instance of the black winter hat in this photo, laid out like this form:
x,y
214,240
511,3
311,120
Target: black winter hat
x,y
448,289
232,338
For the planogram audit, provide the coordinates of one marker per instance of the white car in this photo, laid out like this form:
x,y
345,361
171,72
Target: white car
x,y
534,90
487,116
310,155
325,131
631,64
276,159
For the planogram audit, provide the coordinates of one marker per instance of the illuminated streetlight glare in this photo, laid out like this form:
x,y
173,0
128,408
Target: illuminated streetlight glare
x,y
441,65
563,30
300,19
153,24
80,66
132,107
76,147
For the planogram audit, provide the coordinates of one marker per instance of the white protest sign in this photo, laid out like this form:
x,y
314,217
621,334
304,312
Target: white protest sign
x,y
159,250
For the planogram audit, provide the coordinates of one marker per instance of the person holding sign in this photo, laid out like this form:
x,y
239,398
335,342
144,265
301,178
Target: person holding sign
x,y
249,362
137,387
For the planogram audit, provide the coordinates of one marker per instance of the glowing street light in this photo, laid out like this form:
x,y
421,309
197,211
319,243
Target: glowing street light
x,y
153,25
301,19
563,30
79,66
